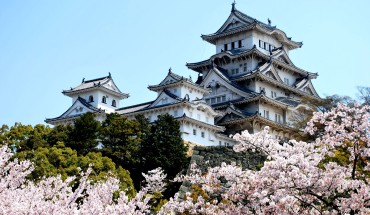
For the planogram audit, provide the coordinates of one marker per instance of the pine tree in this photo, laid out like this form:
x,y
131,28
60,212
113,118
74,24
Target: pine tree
x,y
84,135
165,147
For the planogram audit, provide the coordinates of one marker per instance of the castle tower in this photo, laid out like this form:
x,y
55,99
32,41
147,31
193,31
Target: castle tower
x,y
252,80
99,96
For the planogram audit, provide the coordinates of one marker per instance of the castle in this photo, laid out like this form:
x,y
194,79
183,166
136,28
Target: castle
x,y
248,84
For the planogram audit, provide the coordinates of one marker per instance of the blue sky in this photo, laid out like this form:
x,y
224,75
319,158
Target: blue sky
x,y
47,46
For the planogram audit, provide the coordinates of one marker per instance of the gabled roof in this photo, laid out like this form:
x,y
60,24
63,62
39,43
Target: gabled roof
x,y
258,118
225,80
237,53
258,74
203,124
172,80
133,108
240,22
308,87
165,94
78,105
104,83
232,112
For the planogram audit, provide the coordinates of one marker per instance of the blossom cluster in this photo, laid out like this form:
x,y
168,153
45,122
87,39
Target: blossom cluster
x,y
295,177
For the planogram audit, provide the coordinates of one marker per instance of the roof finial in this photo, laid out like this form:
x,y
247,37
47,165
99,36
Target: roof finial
x,y
269,21
233,6
83,80
109,75
169,70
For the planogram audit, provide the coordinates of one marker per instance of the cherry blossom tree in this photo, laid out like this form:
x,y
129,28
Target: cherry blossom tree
x,y
297,177
56,196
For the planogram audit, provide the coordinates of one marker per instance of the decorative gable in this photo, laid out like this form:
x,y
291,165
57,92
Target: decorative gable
x,y
165,98
309,89
214,78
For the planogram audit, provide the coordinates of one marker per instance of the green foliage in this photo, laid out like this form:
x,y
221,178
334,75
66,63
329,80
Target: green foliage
x,y
24,137
59,133
134,145
121,139
84,134
61,160
165,147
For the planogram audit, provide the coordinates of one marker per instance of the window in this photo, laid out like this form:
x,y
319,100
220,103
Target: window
x,y
262,89
213,100
266,114
239,43
234,71
202,134
223,98
245,67
91,98
225,47
278,118
194,132
286,81
272,47
104,100
114,103
232,45
218,99
175,113
220,143
261,44
273,94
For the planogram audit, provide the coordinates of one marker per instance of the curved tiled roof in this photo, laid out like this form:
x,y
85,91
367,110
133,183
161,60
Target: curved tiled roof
x,y
83,102
98,83
248,24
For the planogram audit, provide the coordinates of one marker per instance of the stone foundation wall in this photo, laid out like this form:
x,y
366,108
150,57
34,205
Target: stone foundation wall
x,y
212,156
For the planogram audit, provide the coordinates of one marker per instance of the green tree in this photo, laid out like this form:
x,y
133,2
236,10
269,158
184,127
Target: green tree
x,y
165,147
121,139
64,161
60,133
84,134
21,137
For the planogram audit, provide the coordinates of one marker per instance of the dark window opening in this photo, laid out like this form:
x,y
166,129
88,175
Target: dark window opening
x,y
104,100
114,103
240,43
225,47
91,98
232,45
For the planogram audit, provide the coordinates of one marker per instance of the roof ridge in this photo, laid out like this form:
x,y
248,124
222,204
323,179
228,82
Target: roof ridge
x,y
96,79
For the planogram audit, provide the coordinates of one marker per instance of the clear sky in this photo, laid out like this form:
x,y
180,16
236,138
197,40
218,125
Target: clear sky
x,y
48,46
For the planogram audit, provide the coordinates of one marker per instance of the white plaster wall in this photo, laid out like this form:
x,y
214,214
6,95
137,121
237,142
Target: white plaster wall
x,y
288,75
98,95
246,39
240,65
209,138
268,88
265,38
272,110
